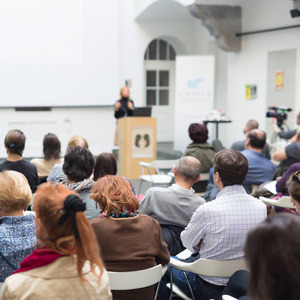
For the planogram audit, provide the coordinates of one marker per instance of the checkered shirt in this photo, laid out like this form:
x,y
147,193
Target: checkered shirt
x,y
223,225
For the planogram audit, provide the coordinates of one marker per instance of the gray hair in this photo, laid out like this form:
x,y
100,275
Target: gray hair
x,y
189,168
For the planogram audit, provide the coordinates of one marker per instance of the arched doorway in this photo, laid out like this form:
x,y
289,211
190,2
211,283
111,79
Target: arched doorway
x,y
159,64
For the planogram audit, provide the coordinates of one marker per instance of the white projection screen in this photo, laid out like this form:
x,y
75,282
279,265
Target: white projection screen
x,y
56,53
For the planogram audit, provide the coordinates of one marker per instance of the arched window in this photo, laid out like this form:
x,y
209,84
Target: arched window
x,y
159,55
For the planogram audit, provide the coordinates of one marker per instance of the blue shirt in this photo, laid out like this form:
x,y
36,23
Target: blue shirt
x,y
17,239
260,168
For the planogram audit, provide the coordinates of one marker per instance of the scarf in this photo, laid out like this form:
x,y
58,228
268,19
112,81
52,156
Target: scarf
x,y
38,258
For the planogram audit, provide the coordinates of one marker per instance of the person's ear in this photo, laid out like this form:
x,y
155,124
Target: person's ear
x,y
175,171
199,177
247,142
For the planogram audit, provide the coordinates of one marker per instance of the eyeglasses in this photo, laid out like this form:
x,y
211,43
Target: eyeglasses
x,y
296,176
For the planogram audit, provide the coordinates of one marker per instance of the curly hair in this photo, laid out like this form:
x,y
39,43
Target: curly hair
x,y
198,133
114,195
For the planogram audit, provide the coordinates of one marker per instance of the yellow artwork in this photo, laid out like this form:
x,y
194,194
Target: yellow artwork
x,y
279,80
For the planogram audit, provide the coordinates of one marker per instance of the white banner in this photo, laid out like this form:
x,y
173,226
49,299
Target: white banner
x,y
194,95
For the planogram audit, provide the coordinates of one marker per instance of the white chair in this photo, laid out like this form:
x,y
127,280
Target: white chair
x,y
227,297
204,267
159,178
120,281
284,202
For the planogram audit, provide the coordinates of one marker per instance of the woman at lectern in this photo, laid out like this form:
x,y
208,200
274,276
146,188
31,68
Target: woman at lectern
x,y
123,108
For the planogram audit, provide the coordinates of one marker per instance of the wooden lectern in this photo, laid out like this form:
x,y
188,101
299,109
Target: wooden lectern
x,y
137,142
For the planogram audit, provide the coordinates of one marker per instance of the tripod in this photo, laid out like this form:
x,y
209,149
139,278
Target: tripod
x,y
274,141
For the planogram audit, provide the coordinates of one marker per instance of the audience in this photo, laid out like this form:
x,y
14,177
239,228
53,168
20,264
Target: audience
x,y
218,229
288,155
241,145
106,164
67,265
281,181
260,168
17,230
286,134
293,185
51,150
128,241
272,252
174,206
14,143
57,173
199,148
78,166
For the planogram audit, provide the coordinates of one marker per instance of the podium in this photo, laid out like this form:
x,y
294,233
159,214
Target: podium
x,y
137,142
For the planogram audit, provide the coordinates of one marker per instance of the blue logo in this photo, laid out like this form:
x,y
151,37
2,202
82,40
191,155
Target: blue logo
x,y
193,84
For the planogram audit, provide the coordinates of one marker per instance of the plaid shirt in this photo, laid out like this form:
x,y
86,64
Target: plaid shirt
x,y
223,225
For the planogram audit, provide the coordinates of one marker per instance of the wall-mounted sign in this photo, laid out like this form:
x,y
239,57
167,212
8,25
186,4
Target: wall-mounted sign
x,y
279,80
251,91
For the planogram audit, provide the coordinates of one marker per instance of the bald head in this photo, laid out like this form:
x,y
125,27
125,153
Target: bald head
x,y
256,139
188,168
251,124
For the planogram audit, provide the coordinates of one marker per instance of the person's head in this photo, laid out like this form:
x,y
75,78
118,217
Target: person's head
x,y
251,124
77,140
293,185
78,164
272,253
256,139
51,146
188,168
114,195
124,92
198,133
15,192
56,228
106,164
230,167
14,142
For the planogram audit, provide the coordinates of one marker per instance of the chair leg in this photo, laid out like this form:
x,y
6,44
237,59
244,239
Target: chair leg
x,y
171,283
188,282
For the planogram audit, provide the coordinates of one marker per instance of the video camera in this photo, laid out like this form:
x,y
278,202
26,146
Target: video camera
x,y
280,113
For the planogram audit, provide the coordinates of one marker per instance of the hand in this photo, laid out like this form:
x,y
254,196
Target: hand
x,y
129,105
278,178
117,106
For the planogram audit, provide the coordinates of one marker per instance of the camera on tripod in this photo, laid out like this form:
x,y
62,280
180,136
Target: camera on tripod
x,y
280,113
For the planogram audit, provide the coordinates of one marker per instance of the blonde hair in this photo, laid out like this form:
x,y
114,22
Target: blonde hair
x,y
114,195
77,140
15,192
49,207
122,89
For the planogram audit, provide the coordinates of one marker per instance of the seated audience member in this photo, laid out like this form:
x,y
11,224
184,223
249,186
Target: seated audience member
x,y
68,265
241,145
286,134
78,165
17,230
199,148
14,143
57,173
218,229
128,241
106,164
290,154
260,168
272,253
281,181
51,150
174,206
293,185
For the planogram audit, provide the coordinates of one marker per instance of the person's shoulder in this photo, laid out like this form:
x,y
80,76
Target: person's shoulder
x,y
147,220
238,146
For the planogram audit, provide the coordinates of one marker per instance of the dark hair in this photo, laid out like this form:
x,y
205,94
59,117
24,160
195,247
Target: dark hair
x,y
252,124
257,138
272,253
198,133
106,164
114,195
293,185
51,146
232,167
14,141
78,164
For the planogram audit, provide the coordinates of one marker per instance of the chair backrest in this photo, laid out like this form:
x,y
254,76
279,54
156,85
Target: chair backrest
x,y
227,297
284,202
211,267
163,164
135,279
